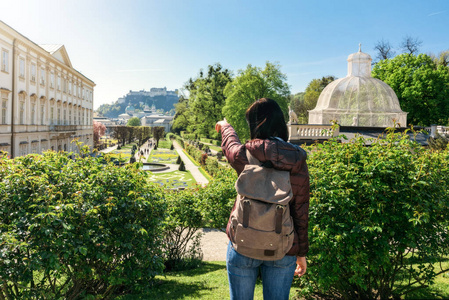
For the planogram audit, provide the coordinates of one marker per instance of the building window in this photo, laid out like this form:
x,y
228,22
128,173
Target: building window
x,y
42,114
59,83
33,112
22,68
5,60
23,149
65,117
33,72
52,80
70,117
52,115
4,106
79,118
42,76
59,116
34,147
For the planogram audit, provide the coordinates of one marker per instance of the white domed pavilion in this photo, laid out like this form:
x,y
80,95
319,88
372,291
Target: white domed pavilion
x,y
358,99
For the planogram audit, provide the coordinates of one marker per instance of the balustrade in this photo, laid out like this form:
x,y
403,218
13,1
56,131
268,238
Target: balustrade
x,y
313,132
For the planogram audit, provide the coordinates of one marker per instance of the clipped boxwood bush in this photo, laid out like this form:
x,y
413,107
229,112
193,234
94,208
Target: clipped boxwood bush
x,y
374,212
74,228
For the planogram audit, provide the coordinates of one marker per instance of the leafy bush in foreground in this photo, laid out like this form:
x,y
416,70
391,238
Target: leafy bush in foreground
x,y
181,236
73,228
217,198
374,211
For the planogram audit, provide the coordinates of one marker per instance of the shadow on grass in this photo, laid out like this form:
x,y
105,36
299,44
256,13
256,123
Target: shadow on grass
x,y
164,288
203,269
427,293
171,289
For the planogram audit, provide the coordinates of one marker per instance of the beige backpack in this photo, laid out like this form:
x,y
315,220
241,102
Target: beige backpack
x,y
260,225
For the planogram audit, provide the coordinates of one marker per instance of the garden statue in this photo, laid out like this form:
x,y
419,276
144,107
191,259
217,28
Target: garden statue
x,y
293,117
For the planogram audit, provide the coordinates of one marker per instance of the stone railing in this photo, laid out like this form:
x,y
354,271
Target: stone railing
x,y
63,127
442,130
311,132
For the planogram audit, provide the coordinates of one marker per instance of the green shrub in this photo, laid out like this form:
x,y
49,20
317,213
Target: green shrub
x,y
188,136
170,136
193,152
211,141
212,166
180,141
439,142
203,159
181,236
74,228
165,144
375,211
218,197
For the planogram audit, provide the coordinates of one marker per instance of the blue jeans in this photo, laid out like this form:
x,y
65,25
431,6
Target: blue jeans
x,y
277,276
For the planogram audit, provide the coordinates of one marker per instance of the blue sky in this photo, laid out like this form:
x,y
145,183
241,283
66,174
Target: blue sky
x,y
139,44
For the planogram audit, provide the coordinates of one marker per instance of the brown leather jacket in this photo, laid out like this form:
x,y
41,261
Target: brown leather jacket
x,y
283,156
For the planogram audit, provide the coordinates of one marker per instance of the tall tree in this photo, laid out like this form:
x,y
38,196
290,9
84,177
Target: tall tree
x,y
158,133
421,85
121,134
206,100
442,58
251,84
99,130
314,89
182,115
384,50
134,121
411,45
297,105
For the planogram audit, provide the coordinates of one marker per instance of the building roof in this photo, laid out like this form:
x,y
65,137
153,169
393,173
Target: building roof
x,y
43,47
57,51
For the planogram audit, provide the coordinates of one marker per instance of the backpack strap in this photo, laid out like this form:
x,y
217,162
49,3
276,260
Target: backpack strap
x,y
278,218
246,211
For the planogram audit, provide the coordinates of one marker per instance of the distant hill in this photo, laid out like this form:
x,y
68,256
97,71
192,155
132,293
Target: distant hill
x,y
160,98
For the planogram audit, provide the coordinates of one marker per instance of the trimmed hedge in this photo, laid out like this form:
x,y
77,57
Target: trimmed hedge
x,y
211,141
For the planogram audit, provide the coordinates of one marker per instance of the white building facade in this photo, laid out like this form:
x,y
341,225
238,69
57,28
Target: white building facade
x,y
45,103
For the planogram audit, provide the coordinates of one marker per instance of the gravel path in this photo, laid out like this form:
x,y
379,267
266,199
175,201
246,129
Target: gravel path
x,y
214,244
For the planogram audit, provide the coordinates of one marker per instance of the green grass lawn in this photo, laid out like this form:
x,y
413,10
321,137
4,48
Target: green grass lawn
x,y
439,289
164,144
173,179
163,156
209,281
216,148
125,149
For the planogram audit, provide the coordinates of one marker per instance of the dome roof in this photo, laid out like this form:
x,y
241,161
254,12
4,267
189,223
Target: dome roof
x,y
358,99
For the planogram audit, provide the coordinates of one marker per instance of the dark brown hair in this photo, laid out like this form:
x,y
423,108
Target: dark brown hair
x,y
266,119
